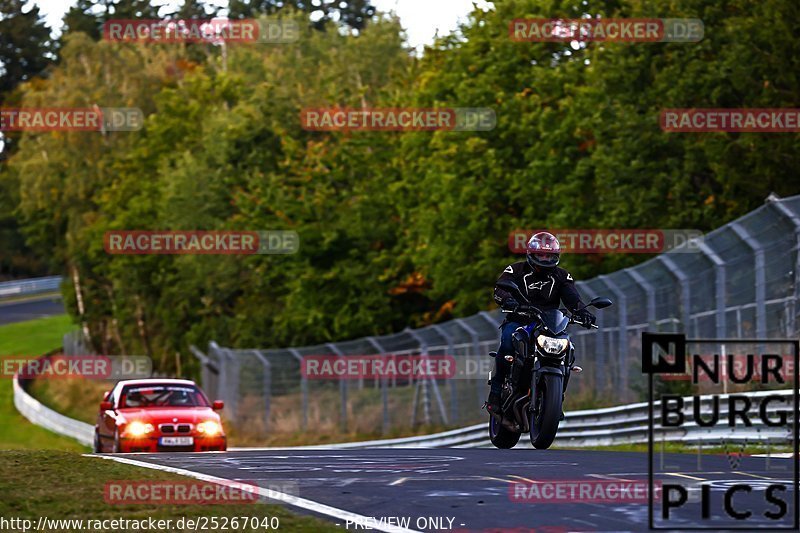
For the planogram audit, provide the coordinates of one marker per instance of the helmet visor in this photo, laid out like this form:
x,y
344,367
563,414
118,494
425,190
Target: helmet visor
x,y
545,259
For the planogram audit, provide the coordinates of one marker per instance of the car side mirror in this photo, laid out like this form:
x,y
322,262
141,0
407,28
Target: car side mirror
x,y
106,394
105,405
217,405
600,302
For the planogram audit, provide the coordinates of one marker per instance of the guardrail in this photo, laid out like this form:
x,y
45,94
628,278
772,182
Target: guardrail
x,y
29,286
625,424
41,415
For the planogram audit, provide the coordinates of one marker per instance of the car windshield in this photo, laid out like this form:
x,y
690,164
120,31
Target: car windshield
x,y
554,320
163,396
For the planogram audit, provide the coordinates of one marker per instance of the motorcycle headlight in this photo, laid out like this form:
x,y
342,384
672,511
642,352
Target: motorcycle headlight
x,y
551,345
209,428
138,429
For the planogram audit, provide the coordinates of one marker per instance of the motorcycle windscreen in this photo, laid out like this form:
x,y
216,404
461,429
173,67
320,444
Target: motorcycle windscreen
x,y
555,321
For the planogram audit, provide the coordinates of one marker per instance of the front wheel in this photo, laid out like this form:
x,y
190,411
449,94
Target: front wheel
x,y
501,436
545,416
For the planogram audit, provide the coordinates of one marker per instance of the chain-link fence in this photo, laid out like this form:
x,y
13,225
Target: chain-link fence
x,y
740,282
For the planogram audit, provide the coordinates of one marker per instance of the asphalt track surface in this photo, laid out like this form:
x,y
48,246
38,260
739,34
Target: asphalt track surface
x,y
474,487
30,309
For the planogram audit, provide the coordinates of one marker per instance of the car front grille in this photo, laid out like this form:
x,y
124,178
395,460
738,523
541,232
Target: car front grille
x,y
169,429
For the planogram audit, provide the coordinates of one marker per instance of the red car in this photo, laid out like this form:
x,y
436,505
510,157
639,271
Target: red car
x,y
158,415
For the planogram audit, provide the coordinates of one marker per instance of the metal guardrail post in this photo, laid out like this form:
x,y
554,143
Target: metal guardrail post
x,y
303,387
622,347
342,388
453,389
267,377
760,275
719,280
384,389
683,280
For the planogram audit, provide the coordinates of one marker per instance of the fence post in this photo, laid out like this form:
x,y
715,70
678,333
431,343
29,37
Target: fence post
x,y
776,202
303,387
223,386
600,352
267,377
622,358
384,389
342,388
453,389
207,366
719,280
760,275
426,402
648,289
683,280
476,345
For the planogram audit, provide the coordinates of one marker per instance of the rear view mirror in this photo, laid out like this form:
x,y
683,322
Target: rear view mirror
x,y
105,405
511,287
217,405
106,394
600,302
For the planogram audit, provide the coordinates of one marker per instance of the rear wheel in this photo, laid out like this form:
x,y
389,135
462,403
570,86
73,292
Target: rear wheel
x,y
545,417
96,443
501,436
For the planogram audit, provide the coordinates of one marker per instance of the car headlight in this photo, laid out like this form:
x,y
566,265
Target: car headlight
x,y
138,429
551,345
209,428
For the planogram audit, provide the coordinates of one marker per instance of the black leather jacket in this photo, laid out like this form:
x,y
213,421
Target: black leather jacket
x,y
544,288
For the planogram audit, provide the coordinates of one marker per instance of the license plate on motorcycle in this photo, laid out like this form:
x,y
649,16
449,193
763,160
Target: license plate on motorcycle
x,y
176,441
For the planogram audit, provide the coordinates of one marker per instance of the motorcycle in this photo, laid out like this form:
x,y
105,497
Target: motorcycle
x,y
547,367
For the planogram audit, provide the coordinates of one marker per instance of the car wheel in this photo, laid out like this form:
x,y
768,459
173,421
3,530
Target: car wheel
x,y
116,448
96,443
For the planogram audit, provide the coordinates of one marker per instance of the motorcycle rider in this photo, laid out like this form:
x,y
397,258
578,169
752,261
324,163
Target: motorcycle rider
x,y
546,285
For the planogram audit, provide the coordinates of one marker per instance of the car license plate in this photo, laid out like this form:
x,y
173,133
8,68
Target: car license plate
x,y
176,441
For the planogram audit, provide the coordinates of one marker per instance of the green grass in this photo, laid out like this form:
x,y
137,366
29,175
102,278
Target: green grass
x,y
61,485
24,339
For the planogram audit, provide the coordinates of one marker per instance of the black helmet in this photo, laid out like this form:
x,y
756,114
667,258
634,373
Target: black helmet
x,y
543,250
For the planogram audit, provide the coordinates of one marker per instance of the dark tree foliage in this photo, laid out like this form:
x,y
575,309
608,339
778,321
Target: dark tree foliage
x,y
352,13
26,49
88,16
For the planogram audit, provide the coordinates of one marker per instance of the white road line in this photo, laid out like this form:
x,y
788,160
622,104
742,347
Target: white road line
x,y
753,475
682,475
610,477
288,499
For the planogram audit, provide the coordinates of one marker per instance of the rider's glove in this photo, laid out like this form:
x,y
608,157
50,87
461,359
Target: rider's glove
x,y
510,304
584,317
